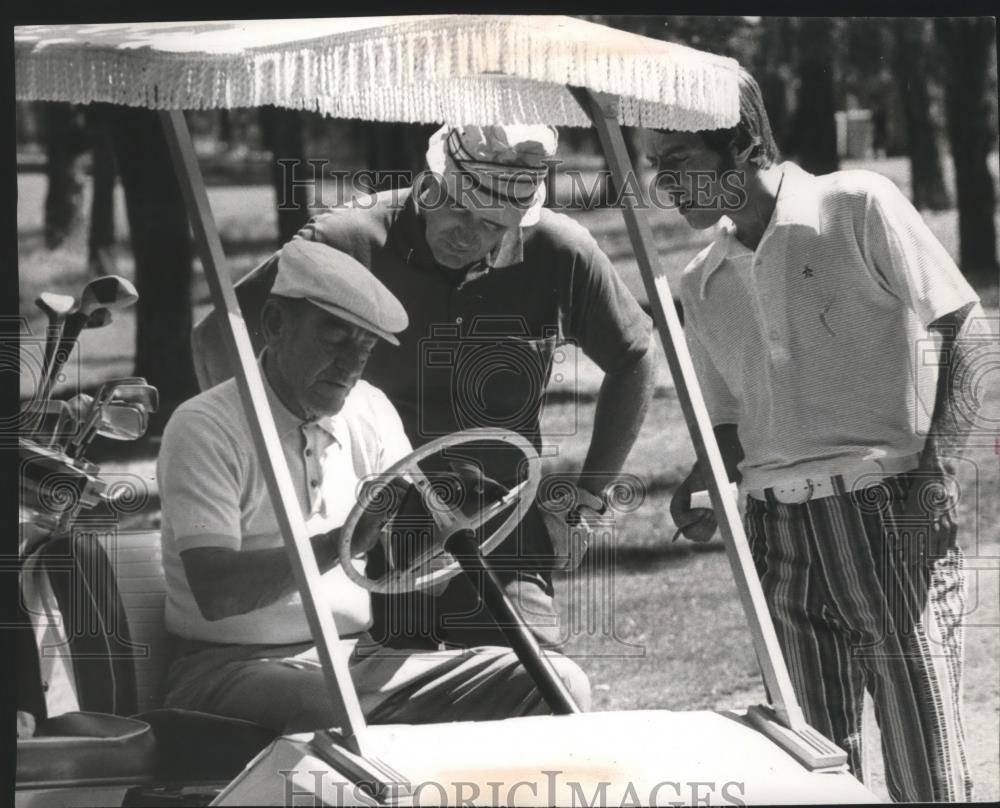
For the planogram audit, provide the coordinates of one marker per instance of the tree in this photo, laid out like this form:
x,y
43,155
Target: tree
x,y
281,133
161,244
225,128
394,150
968,43
814,126
912,68
65,141
772,69
100,259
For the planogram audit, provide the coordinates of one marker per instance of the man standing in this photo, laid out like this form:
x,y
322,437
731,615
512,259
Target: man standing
x,y
494,285
244,647
805,319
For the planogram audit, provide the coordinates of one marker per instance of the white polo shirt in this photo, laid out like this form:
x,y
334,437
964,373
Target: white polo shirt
x,y
816,343
214,495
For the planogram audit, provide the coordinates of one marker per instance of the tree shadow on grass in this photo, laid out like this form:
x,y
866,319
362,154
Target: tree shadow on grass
x,y
645,559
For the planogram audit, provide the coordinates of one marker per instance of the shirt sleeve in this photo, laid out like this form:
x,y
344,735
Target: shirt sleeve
x,y
902,250
723,408
394,445
200,482
605,318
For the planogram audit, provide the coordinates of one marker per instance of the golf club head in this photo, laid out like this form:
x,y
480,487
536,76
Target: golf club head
x,y
55,305
98,318
106,390
79,405
93,414
128,392
122,421
109,292
142,395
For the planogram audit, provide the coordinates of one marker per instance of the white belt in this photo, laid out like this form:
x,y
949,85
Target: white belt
x,y
861,475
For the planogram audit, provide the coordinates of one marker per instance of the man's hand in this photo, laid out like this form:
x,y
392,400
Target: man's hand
x,y
383,497
696,524
574,520
471,487
931,500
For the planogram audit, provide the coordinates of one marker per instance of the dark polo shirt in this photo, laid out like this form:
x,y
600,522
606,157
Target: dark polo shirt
x,y
481,352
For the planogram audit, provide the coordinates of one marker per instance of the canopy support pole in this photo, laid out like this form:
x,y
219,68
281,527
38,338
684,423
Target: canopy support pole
x,y
783,721
343,697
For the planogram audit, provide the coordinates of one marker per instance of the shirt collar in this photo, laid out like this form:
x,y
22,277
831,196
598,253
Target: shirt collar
x,y
509,251
797,205
288,423
723,244
331,425
798,202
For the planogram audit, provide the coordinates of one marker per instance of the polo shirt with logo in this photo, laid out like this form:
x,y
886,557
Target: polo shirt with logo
x,y
816,344
215,495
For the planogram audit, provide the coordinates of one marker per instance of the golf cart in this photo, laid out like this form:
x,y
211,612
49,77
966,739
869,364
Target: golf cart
x,y
459,69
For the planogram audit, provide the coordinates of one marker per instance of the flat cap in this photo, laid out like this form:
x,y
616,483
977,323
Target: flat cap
x,y
338,283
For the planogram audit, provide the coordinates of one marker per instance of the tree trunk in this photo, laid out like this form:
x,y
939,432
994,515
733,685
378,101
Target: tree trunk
x,y
65,141
774,56
100,258
225,128
772,90
281,133
815,138
911,68
968,44
161,244
396,153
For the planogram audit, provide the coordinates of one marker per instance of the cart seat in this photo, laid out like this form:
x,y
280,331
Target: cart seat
x,y
110,589
193,746
82,749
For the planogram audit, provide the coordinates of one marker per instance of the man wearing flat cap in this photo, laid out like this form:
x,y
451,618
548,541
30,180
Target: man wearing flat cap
x,y
495,285
243,645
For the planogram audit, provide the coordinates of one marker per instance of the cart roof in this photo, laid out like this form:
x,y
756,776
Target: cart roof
x,y
461,69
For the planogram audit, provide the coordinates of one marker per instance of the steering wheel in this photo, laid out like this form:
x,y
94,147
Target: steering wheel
x,y
435,564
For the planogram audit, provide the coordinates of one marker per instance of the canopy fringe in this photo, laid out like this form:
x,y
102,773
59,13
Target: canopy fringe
x,y
459,69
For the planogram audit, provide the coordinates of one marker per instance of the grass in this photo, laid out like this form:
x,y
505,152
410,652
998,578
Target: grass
x,y
668,632
676,605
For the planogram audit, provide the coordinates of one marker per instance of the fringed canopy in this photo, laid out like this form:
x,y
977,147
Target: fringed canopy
x,y
468,69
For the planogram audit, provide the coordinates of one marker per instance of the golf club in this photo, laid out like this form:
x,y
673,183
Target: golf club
x,y
71,416
117,420
121,421
62,423
99,319
109,293
90,417
56,307
85,411
132,391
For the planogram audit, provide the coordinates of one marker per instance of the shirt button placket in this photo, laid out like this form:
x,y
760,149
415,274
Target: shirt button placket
x,y
456,306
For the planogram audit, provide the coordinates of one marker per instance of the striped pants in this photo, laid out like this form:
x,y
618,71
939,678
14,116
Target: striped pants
x,y
859,604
